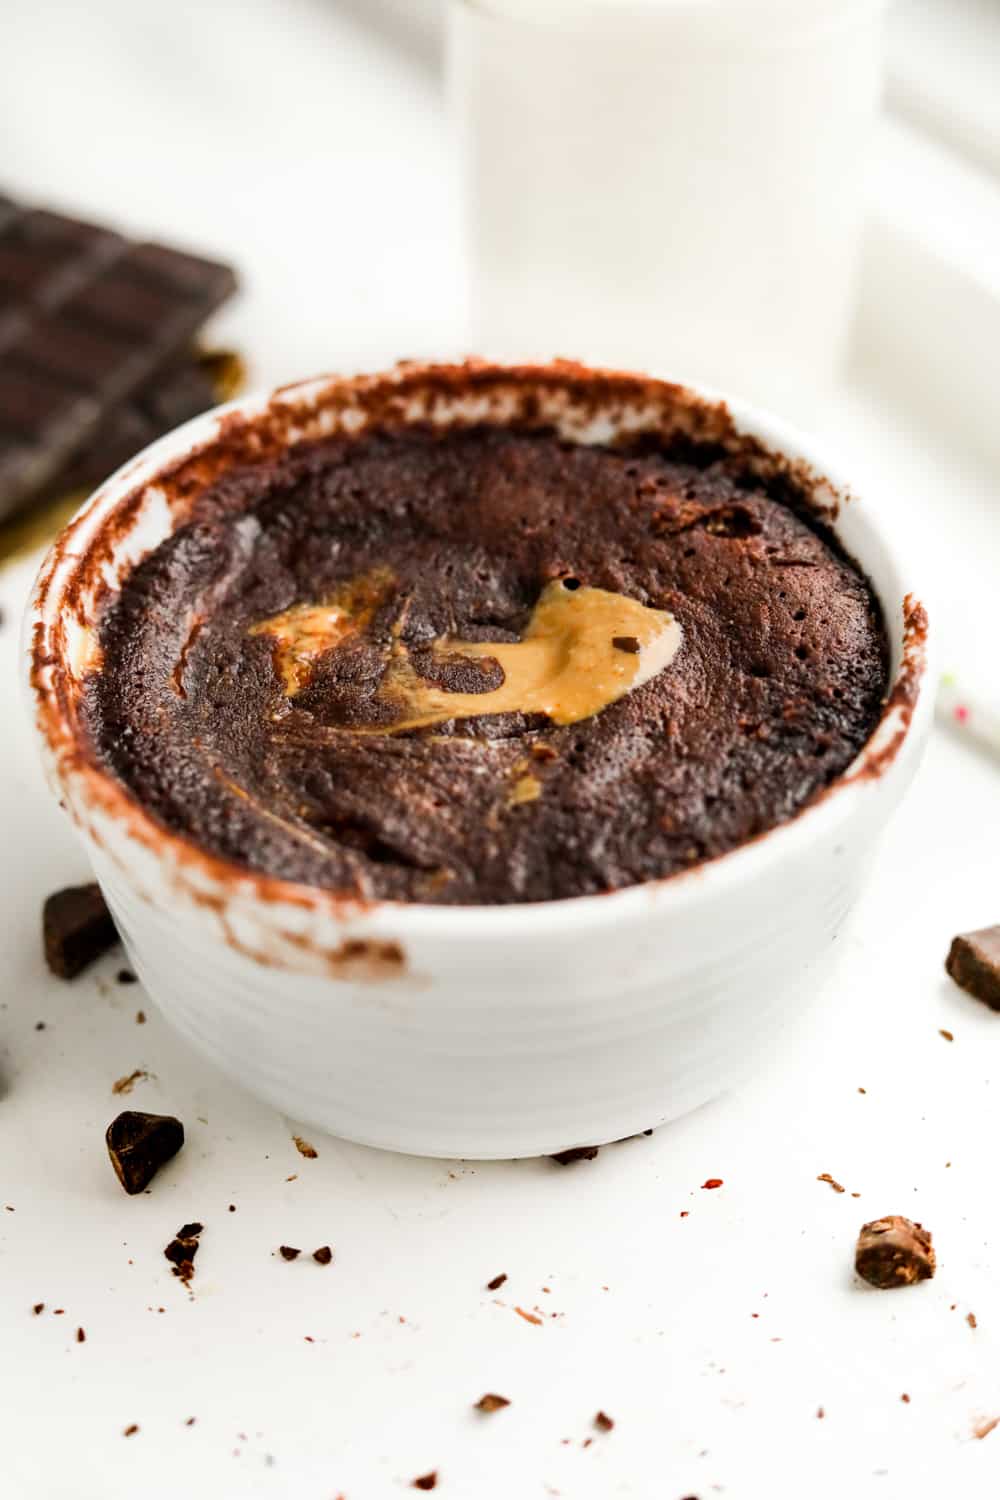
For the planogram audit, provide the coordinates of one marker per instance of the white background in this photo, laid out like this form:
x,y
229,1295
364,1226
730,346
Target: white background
x,y
286,135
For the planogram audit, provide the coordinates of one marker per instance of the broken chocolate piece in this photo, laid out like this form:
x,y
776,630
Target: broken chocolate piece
x,y
426,1481
182,1250
324,1255
629,643
76,928
288,1252
894,1251
491,1402
140,1144
974,963
575,1153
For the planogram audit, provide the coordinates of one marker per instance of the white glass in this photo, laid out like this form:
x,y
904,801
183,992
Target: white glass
x,y
675,184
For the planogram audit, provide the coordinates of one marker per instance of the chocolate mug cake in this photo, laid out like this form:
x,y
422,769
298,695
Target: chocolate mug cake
x,y
487,664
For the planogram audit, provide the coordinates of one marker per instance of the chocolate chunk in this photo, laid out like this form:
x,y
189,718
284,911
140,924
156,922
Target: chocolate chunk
x,y
140,1144
491,1402
76,929
894,1252
324,1255
629,643
426,1481
974,963
288,1252
86,319
575,1153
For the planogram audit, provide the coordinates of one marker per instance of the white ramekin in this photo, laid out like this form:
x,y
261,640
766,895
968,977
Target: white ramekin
x,y
468,1031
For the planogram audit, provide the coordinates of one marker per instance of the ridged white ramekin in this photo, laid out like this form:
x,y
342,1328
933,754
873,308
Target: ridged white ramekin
x,y
470,1031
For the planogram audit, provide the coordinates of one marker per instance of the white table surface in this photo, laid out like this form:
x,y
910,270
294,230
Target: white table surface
x,y
284,136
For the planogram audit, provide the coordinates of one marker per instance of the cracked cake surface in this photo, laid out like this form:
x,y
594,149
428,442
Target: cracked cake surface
x,y
486,666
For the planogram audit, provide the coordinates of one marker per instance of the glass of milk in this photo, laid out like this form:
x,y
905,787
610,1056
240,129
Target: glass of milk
x,y
672,184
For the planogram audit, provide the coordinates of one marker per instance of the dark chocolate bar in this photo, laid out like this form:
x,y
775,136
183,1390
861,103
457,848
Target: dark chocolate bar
x,y
174,395
87,318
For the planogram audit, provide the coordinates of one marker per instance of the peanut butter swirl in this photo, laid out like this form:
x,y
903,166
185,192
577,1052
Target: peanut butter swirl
x,y
582,649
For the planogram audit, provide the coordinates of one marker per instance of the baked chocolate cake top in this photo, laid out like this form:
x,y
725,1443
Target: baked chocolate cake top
x,y
486,666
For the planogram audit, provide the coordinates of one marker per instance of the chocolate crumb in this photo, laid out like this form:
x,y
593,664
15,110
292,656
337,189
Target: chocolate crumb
x,y
127,1084
825,1177
232,1208
893,1252
132,1428
491,1402
820,1413
125,976
140,1144
497,1282
81,1336
970,1318
39,1025
39,1307
304,1148
575,1153
861,1090
288,1252
948,1036
712,1182
974,963
190,1421
905,1398
182,1250
57,1312
603,1422
140,1018
426,1481
77,928
324,1255
629,643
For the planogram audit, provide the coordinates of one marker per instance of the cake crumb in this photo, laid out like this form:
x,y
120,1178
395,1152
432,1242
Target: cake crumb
x,y
127,1084
527,1316
491,1402
825,1177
